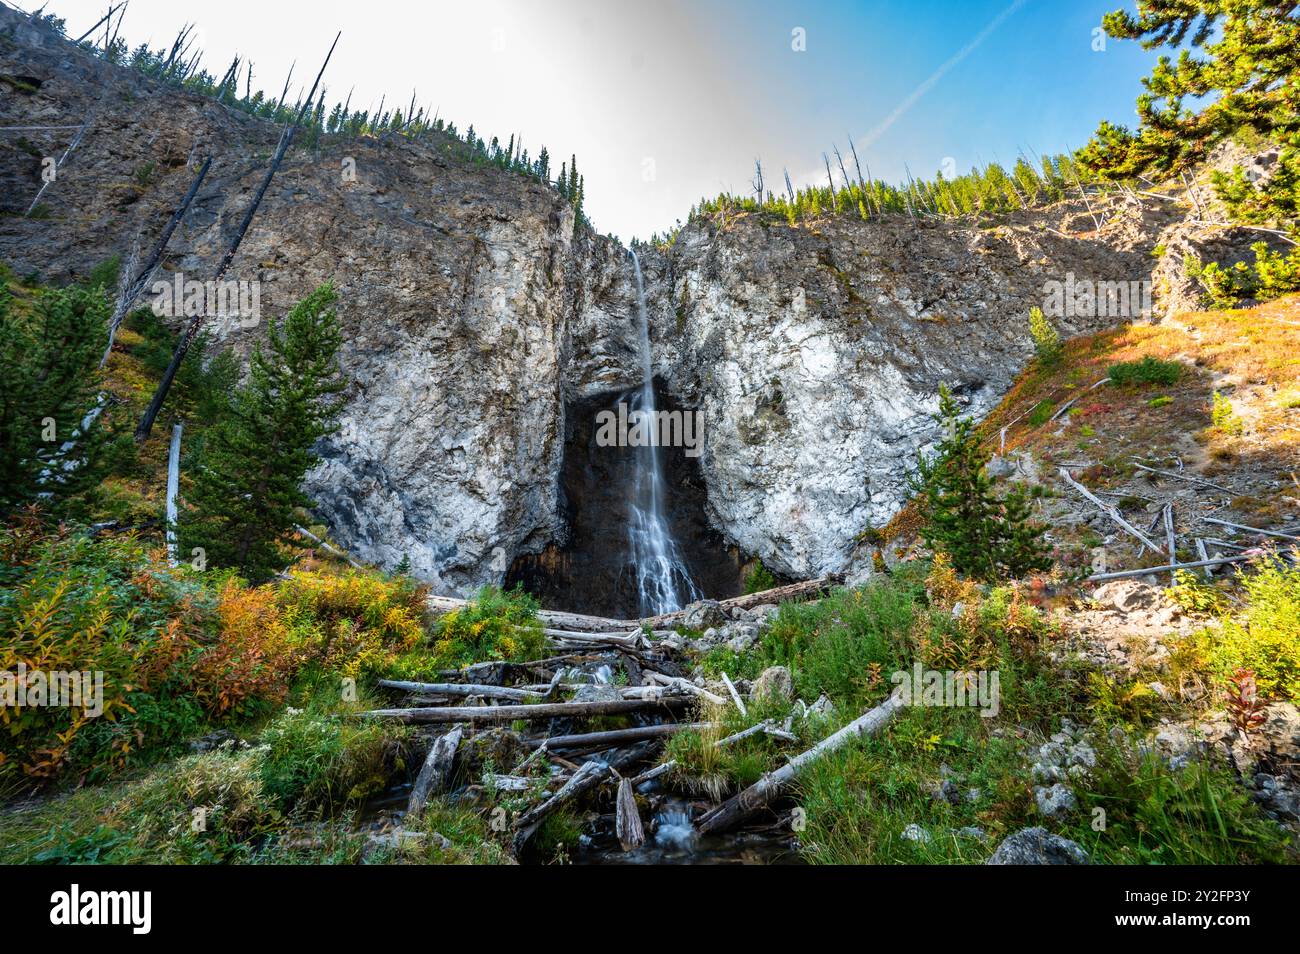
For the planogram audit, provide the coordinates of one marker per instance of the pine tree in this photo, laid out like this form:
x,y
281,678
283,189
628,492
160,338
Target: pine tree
x,y
50,351
1047,341
241,510
986,536
1236,68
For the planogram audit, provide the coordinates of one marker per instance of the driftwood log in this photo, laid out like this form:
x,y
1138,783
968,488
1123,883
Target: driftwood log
x,y
1168,568
579,623
461,689
1244,529
615,737
588,776
627,820
545,710
1110,511
436,770
762,792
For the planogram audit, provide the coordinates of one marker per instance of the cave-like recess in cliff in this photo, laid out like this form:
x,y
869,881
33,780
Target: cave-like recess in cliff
x,y
587,569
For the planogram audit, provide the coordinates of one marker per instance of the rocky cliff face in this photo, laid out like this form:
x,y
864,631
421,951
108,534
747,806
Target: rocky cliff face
x,y
816,356
476,315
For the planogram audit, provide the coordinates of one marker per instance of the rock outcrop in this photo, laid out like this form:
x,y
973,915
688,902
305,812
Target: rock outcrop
x,y
476,314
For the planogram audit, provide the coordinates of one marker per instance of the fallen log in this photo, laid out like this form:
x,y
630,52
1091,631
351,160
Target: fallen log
x,y
660,769
676,682
615,737
436,770
735,696
1168,568
460,689
580,623
508,783
627,820
545,710
588,776
1245,529
1171,539
552,618
1187,477
1109,511
739,807
779,594
1204,554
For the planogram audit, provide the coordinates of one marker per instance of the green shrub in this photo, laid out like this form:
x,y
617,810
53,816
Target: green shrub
x,y
1145,371
494,625
1271,275
1041,413
1264,636
73,603
1224,419
759,578
320,764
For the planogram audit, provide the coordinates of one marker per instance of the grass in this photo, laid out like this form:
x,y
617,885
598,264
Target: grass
x,y
856,803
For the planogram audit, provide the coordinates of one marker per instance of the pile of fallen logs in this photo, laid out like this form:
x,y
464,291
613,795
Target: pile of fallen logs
x,y
553,698
1207,564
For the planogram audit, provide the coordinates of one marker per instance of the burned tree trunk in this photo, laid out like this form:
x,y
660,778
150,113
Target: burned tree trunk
x,y
145,427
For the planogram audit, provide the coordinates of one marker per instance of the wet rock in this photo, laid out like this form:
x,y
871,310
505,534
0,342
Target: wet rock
x,y
774,683
597,693
1037,846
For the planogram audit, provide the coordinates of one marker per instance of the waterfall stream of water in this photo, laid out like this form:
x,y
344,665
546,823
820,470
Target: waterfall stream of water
x,y
661,575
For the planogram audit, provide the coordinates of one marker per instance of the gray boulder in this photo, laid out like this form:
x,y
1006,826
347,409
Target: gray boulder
x,y
774,683
1037,846
703,614
1055,800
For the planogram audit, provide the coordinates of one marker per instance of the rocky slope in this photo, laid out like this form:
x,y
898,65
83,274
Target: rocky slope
x,y
477,316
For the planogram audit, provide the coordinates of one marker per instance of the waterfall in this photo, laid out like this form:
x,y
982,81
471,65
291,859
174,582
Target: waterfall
x,y
661,575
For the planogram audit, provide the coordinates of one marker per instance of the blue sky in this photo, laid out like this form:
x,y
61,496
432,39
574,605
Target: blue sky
x,y
669,101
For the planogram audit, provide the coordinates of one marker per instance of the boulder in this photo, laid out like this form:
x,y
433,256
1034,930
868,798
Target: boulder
x,y
1055,800
703,614
1037,846
774,683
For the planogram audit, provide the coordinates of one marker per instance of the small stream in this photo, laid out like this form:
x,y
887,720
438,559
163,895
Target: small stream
x,y
671,840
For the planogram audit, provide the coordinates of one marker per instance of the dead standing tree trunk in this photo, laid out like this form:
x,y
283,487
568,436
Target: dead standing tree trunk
x,y
145,426
142,277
